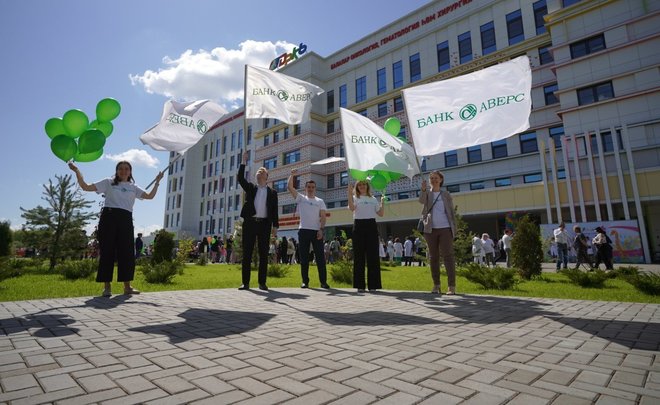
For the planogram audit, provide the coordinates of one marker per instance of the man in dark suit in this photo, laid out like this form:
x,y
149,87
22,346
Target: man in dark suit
x,y
260,219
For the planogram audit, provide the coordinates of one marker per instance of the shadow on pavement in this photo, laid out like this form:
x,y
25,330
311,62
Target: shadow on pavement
x,y
206,324
47,325
375,318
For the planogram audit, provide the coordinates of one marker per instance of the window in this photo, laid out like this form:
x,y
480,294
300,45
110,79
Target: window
x,y
503,182
443,56
499,149
477,185
528,142
587,46
454,188
206,150
280,185
288,208
451,158
296,129
331,204
240,139
540,9
566,3
381,79
397,74
474,154
514,27
555,134
382,109
595,93
266,122
237,202
488,38
415,68
465,47
343,98
607,141
292,157
545,56
532,178
343,203
343,179
276,137
341,150
231,163
230,203
402,196
330,126
270,163
398,104
233,141
267,140
285,133
561,174
203,188
249,136
217,148
330,101
549,94
361,89
330,181
224,144
331,151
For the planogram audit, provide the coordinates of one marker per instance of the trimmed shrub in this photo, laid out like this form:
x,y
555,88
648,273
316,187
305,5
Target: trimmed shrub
x,y
77,269
342,272
278,270
625,271
163,247
498,278
648,283
161,273
527,249
591,279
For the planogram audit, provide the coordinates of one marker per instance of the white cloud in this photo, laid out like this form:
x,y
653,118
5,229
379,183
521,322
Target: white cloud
x,y
216,74
137,157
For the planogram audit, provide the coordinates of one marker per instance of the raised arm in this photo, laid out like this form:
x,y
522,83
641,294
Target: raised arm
x,y
289,184
381,210
240,177
422,195
150,195
81,181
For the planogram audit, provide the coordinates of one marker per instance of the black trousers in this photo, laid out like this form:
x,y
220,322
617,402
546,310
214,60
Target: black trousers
x,y
307,237
365,245
115,235
255,231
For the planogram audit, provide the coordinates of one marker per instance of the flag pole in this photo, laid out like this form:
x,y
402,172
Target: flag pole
x,y
412,140
167,168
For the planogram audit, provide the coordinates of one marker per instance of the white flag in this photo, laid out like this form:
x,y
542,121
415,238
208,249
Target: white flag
x,y
480,107
370,147
270,94
182,125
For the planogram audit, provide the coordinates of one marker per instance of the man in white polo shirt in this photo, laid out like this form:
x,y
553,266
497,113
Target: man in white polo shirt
x,y
310,231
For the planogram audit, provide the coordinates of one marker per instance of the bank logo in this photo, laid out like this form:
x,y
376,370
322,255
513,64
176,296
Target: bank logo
x,y
468,112
282,95
202,127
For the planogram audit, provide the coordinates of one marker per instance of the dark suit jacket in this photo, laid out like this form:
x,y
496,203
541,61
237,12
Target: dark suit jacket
x,y
248,210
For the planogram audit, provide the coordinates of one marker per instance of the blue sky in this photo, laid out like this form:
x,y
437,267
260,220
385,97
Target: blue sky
x,y
69,54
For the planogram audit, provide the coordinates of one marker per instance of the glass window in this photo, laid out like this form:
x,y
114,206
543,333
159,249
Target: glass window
x,y
292,157
362,112
415,68
267,140
296,129
343,203
606,140
382,109
381,78
276,137
587,46
443,56
477,185
206,150
528,142
224,144
330,182
514,27
544,55
249,135
343,179
331,204
561,174
240,139
280,185
331,151
465,47
270,163
361,89
398,104
488,38
533,178
331,126
330,101
451,158
597,92
266,122
288,208
540,9
474,154
285,133
503,182
233,141
341,150
454,188
499,149
549,94
555,134
397,74
343,98
566,3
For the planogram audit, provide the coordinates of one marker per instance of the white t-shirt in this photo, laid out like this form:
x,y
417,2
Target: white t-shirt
x,y
122,195
438,215
506,241
408,247
488,245
309,210
398,249
365,207
561,236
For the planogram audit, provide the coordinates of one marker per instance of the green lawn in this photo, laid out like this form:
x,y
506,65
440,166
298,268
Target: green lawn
x,y
40,285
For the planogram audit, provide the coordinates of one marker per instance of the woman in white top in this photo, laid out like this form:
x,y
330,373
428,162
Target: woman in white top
x,y
115,230
365,207
489,249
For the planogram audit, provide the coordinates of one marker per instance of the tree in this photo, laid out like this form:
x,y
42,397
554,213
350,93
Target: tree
x,y
61,222
527,248
462,240
5,238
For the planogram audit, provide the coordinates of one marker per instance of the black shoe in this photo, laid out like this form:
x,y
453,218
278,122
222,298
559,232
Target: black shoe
x,y
360,290
263,287
326,286
244,287
303,285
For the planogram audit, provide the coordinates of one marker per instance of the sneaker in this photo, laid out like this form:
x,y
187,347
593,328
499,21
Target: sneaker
x,y
451,291
436,289
244,287
131,291
303,285
106,293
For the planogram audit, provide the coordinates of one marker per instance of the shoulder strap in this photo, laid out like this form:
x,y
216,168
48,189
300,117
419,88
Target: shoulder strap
x,y
436,199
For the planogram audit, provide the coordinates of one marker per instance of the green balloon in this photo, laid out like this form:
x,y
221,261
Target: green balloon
x,y
358,175
91,141
385,174
105,127
392,126
54,127
75,123
394,176
63,147
88,157
107,110
378,182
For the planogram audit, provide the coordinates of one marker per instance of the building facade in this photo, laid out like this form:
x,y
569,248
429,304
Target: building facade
x,y
592,152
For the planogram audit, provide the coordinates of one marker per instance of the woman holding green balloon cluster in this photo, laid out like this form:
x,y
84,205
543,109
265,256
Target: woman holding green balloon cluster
x,y
115,230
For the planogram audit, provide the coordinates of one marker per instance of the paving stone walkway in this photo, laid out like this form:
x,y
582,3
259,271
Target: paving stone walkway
x,y
297,346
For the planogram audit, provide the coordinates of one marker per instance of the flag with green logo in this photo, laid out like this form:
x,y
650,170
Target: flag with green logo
x,y
476,108
270,94
182,125
369,147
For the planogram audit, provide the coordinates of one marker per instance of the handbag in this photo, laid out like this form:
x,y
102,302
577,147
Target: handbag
x,y
421,224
